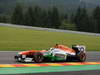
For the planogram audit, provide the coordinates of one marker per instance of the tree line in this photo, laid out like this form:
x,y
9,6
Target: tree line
x,y
80,20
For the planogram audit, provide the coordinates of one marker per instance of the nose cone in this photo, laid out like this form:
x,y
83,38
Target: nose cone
x,y
24,52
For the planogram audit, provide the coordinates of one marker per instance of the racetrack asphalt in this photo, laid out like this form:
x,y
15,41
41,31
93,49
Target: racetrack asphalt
x,y
7,57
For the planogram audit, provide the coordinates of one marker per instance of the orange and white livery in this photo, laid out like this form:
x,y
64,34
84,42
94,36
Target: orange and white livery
x,y
56,53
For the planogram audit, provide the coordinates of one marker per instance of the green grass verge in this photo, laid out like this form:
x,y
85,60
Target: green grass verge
x,y
23,39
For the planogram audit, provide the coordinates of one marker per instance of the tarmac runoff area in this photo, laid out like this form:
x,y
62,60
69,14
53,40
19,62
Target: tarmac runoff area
x,y
8,66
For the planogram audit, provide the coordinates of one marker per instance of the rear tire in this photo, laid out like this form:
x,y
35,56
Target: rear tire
x,y
38,57
81,57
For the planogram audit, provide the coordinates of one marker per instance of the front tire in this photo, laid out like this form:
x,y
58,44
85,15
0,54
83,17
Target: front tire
x,y
38,57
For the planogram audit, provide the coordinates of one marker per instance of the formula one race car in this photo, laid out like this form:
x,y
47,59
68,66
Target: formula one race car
x,y
57,53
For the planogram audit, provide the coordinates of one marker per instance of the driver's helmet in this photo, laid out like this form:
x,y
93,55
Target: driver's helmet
x,y
56,46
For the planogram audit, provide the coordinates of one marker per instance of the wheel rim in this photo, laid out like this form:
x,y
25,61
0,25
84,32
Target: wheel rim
x,y
39,58
83,57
